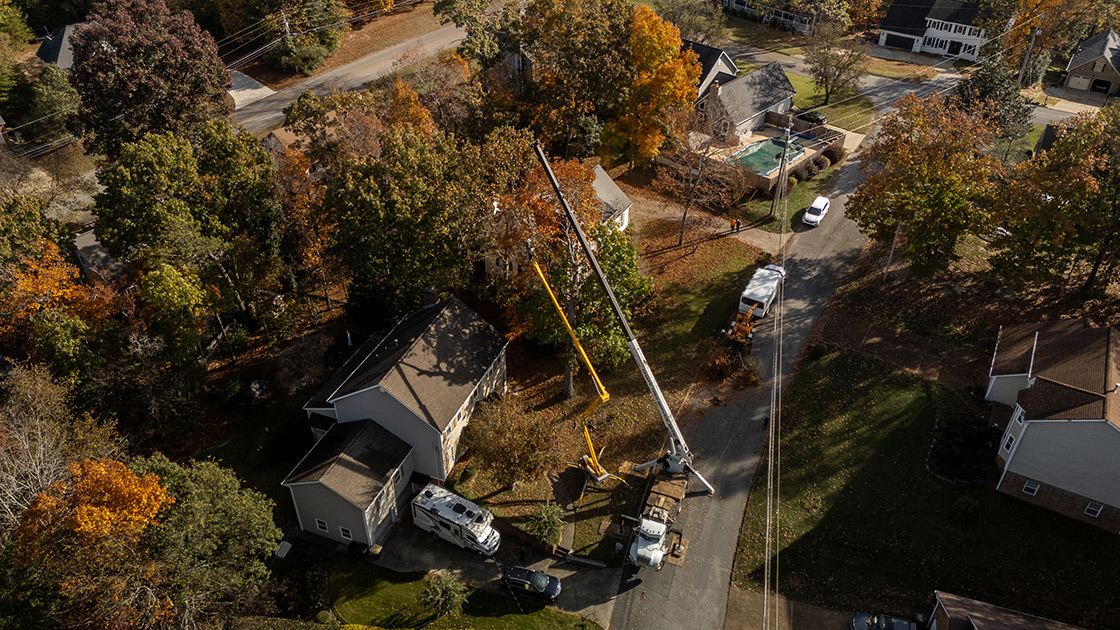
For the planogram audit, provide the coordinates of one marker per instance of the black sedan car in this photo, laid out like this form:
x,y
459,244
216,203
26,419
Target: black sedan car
x,y
864,621
814,117
530,583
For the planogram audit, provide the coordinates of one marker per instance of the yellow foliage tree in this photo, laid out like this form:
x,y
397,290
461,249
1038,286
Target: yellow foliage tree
x,y
82,539
664,82
406,109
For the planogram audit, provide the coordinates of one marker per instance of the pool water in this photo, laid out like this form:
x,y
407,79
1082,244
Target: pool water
x,y
765,156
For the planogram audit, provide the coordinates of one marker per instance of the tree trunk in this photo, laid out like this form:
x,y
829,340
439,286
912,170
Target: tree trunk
x,y
569,352
684,221
1102,251
225,274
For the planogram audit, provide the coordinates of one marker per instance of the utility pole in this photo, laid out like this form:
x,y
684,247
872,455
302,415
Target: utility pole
x,y
287,27
780,189
1027,57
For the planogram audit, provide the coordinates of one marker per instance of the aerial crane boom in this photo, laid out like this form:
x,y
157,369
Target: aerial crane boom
x,y
591,460
679,457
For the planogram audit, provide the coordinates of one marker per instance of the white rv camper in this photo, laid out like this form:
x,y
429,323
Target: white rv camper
x,y
455,519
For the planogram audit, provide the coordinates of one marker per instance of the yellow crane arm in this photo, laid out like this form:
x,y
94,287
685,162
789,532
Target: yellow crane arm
x,y
604,396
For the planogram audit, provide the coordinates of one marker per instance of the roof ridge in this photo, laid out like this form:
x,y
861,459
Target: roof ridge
x,y
1073,387
373,350
342,451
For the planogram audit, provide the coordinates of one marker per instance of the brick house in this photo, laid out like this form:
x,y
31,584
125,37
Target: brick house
x,y
1061,447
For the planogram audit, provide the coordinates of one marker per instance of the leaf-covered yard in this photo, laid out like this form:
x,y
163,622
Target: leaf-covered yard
x,y
694,295
865,527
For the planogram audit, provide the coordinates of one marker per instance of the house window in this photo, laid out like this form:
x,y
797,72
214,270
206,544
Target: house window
x,y
1019,415
1094,509
396,476
1031,487
345,533
1098,66
1010,441
322,525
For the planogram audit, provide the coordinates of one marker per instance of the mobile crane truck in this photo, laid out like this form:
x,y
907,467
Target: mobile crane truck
x,y
653,536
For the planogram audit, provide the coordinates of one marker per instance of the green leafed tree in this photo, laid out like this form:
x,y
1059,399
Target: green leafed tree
x,y
320,26
836,64
992,90
407,220
53,102
139,69
698,20
926,182
212,542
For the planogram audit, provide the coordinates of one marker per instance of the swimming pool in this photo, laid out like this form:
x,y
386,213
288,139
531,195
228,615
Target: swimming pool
x,y
765,156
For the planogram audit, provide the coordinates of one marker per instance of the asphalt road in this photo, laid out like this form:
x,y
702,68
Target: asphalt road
x,y
269,111
728,440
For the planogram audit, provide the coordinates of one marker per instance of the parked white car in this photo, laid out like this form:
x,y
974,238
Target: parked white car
x,y
816,212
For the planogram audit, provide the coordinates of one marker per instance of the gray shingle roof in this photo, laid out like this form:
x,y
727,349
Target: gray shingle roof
x,y
709,57
1105,44
615,202
755,92
430,362
353,459
955,11
57,49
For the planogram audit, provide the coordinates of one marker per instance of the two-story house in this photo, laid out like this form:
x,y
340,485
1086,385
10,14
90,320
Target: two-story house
x,y
1096,65
398,405
937,27
1061,446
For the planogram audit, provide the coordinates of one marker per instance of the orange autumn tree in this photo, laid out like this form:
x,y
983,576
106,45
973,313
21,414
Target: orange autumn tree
x,y
664,82
82,541
406,109
307,233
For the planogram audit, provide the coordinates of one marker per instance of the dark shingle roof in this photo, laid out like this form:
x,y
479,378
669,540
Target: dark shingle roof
x,y
615,202
709,57
1105,44
430,362
1075,366
907,17
955,11
755,92
57,48
974,615
353,459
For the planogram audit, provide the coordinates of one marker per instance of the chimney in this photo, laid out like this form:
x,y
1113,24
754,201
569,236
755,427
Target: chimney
x,y
429,296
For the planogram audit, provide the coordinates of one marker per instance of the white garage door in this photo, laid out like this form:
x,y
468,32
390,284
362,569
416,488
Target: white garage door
x,y
1079,83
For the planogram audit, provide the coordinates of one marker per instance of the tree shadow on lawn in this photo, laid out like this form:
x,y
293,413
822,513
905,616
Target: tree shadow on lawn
x,y
875,532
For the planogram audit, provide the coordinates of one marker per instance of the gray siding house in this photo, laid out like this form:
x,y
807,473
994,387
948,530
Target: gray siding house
x,y
1094,67
740,106
715,65
420,382
1061,447
348,486
937,27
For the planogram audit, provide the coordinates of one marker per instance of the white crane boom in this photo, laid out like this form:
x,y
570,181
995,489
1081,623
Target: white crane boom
x,y
678,458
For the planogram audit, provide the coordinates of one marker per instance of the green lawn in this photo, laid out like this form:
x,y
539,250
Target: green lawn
x,y
756,211
755,34
846,110
865,527
1019,147
367,594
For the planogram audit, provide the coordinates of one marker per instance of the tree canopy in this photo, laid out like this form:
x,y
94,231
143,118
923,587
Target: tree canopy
x,y
140,68
927,180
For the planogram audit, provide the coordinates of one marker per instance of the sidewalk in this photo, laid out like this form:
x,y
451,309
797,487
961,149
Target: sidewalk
x,y
744,610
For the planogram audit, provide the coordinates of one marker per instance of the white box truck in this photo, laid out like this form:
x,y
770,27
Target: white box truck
x,y
451,517
761,290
